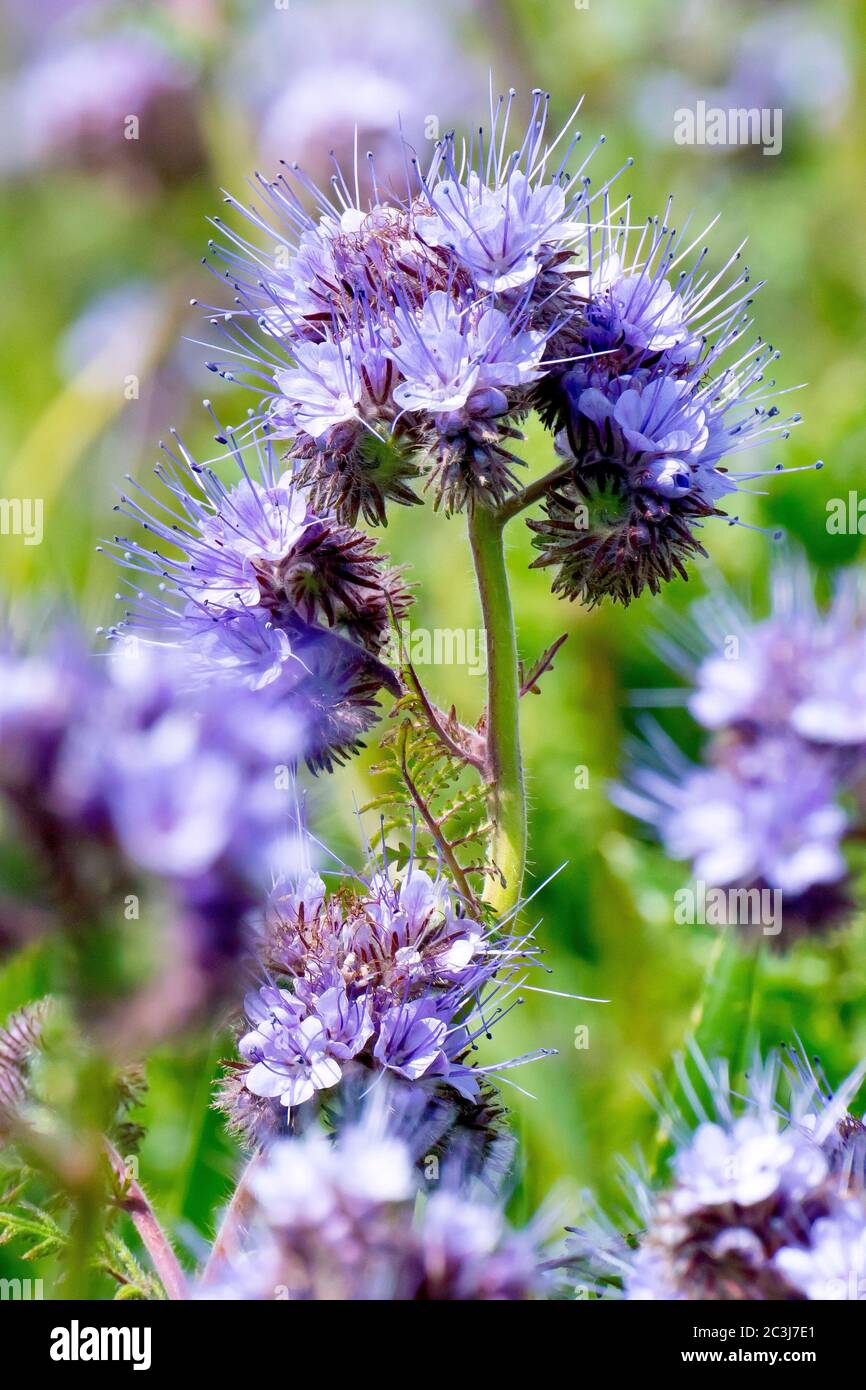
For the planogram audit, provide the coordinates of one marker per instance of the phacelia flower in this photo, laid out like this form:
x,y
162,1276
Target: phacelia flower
x,y
503,234
648,409
779,791
351,1218
405,335
263,591
401,338
393,976
119,772
764,1197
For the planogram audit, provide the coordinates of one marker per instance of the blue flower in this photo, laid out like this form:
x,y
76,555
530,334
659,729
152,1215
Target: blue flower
x,y
772,804
503,235
763,1197
393,974
257,588
447,352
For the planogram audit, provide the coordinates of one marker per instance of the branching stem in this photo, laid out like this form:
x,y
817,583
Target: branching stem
x,y
533,492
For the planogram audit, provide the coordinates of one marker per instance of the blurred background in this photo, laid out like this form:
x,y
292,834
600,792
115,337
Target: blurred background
x,y
122,123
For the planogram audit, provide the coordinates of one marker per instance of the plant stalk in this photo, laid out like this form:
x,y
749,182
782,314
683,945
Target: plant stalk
x,y
504,762
229,1236
135,1202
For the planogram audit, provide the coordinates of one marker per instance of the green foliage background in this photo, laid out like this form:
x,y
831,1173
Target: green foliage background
x,y
606,919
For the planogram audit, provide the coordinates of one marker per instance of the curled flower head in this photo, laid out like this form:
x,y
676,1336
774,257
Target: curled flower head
x,y
646,453
764,1197
649,405
259,588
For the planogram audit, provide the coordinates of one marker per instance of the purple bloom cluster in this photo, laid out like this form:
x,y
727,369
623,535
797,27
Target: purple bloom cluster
x,y
764,1199
651,410
350,1219
417,324
116,771
394,977
410,335
262,592
414,328
784,699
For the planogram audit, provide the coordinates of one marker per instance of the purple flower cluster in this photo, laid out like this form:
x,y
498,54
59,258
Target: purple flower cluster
x,y
262,592
650,411
764,1199
413,329
784,699
394,977
350,1220
405,336
117,772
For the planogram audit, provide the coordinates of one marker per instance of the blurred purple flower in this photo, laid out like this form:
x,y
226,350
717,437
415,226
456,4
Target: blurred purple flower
x,y
768,815
120,99
785,699
118,771
349,1219
764,1196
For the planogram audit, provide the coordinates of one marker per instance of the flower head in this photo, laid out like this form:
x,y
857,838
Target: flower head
x,y
648,410
777,794
393,976
263,591
764,1197
413,329
351,1218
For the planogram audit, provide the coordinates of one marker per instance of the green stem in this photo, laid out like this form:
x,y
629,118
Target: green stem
x,y
504,762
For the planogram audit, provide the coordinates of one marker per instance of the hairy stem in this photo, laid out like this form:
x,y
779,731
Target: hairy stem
x,y
505,765
229,1238
533,492
135,1203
